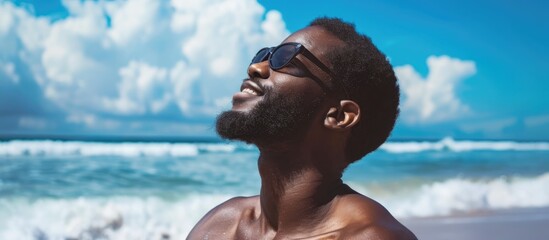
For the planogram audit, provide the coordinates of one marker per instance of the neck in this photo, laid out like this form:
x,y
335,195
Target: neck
x,y
297,186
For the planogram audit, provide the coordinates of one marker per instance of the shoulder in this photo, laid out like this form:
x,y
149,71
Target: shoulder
x,y
223,218
367,219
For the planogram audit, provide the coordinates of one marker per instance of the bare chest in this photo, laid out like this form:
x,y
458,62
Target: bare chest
x,y
255,231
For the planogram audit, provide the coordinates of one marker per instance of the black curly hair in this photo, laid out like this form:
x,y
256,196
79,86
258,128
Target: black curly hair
x,y
370,81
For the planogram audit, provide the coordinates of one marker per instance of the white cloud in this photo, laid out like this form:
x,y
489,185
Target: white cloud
x,y
32,31
273,24
93,122
536,121
8,70
87,119
13,23
137,57
182,78
32,123
133,20
143,88
7,12
184,17
491,128
433,99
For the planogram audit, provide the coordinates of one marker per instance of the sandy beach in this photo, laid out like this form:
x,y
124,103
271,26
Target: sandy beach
x,y
508,224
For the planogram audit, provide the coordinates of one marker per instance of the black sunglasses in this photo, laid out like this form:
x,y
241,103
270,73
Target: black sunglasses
x,y
281,55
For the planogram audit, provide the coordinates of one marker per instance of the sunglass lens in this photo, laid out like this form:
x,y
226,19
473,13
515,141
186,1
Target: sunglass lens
x,y
261,55
282,56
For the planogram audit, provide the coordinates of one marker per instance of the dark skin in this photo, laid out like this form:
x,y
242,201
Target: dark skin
x,y
302,195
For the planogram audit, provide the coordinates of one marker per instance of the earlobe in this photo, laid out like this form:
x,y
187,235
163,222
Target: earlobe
x,y
343,117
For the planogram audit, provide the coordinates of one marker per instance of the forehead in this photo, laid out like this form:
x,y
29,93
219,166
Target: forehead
x,y
317,40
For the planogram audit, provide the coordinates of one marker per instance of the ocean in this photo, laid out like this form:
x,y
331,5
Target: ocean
x,y
158,190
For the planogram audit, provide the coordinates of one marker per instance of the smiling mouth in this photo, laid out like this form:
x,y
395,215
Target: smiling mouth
x,y
249,91
251,88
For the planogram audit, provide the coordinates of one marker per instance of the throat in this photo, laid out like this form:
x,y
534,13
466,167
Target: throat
x,y
298,198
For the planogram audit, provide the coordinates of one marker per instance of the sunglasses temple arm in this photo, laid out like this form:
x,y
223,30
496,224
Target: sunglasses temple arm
x,y
317,62
321,65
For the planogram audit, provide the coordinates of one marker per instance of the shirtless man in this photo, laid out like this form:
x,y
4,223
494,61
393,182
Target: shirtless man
x,y
321,100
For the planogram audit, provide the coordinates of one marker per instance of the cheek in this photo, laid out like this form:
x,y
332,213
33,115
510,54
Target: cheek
x,y
303,87
307,92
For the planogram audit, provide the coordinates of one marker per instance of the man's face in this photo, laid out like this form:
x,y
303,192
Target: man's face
x,y
279,105
274,118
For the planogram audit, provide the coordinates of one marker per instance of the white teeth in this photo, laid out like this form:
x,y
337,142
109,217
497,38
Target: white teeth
x,y
250,91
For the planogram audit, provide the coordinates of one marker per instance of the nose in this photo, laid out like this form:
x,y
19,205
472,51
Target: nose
x,y
259,70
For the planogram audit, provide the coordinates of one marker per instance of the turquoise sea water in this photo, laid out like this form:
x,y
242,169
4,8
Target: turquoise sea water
x,y
146,190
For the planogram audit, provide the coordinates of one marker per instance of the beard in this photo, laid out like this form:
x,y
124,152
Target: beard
x,y
275,118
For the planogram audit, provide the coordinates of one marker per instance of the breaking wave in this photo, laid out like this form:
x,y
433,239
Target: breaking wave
x,y
134,149
124,149
461,195
103,218
122,217
449,144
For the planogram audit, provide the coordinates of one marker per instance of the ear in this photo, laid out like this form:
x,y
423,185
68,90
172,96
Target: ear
x,y
346,115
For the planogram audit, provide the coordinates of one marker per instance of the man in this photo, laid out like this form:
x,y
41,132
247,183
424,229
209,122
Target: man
x,y
321,100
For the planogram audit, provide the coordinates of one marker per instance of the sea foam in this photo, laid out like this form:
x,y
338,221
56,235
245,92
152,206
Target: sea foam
x,y
135,149
124,217
103,218
124,149
450,144
457,195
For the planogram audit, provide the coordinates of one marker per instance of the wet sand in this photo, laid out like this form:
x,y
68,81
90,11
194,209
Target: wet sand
x,y
508,224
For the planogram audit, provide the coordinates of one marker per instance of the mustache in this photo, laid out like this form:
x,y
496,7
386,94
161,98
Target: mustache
x,y
254,80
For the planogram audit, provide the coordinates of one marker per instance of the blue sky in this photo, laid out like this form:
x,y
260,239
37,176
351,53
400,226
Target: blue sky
x,y
467,69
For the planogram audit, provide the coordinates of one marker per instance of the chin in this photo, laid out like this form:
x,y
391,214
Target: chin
x,y
230,125
265,120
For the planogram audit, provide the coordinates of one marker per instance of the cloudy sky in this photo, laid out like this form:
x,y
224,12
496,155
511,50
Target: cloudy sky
x,y
467,69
